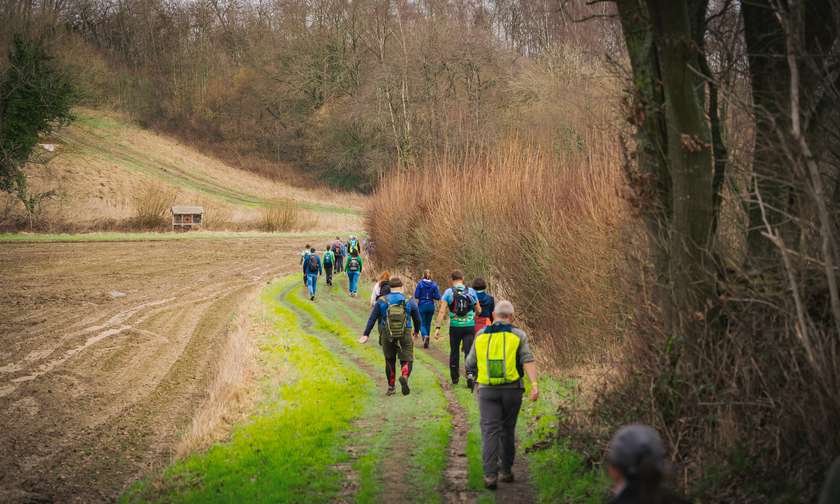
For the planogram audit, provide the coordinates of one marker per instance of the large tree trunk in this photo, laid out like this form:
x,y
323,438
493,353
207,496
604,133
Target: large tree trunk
x,y
690,163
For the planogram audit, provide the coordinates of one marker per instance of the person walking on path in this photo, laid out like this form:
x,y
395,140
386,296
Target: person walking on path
x,y
636,464
462,303
329,264
499,359
312,268
380,287
487,302
303,257
353,267
427,295
397,317
354,246
339,256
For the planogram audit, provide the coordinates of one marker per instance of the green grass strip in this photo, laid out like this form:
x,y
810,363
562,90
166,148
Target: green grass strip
x,y
289,452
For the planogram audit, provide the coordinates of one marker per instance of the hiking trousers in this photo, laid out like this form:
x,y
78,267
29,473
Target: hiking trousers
x,y
459,338
353,280
312,283
404,349
339,263
328,269
499,409
427,313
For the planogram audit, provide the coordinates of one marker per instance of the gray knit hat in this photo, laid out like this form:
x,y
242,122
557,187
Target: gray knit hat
x,y
631,444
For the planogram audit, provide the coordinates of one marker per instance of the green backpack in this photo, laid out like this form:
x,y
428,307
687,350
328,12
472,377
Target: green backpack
x,y
396,316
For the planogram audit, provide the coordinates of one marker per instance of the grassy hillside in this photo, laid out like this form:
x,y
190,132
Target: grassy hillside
x,y
102,165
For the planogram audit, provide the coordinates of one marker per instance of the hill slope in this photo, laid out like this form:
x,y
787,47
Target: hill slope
x,y
101,163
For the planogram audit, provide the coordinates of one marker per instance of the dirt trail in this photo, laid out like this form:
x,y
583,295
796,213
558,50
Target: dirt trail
x,y
108,352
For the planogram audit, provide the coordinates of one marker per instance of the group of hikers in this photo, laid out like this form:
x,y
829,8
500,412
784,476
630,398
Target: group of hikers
x,y
337,257
497,360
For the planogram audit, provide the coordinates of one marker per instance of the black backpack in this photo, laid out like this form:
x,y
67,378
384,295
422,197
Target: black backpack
x,y
461,304
313,263
353,265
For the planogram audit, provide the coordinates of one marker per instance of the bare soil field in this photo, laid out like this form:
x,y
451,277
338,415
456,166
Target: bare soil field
x,y
107,351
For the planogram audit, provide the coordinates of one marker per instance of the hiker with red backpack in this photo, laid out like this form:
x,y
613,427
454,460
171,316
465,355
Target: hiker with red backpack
x,y
462,304
312,268
337,248
397,317
427,295
353,267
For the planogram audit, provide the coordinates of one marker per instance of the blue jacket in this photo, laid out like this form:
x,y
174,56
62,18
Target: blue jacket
x,y
307,268
427,292
380,310
488,304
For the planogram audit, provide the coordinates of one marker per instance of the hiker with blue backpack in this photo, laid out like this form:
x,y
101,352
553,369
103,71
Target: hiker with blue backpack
x,y
353,245
397,317
461,302
487,302
427,295
312,268
329,264
353,267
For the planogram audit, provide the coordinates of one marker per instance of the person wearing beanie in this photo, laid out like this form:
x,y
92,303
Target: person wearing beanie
x,y
398,317
499,359
636,464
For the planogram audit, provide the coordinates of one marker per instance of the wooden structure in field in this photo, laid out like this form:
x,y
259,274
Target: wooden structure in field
x,y
187,218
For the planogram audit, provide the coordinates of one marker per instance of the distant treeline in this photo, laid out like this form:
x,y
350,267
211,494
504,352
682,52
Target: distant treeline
x,y
344,89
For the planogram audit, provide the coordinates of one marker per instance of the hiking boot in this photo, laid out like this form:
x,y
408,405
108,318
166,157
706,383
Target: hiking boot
x,y
391,390
426,342
470,383
456,380
506,476
404,385
312,298
490,482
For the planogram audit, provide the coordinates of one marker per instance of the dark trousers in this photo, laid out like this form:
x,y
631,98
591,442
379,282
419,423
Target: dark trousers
x,y
459,338
339,263
328,269
402,348
499,409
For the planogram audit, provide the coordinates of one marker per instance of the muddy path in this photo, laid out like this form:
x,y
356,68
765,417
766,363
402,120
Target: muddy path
x,y
108,350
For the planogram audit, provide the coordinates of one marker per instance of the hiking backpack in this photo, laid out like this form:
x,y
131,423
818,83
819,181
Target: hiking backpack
x,y
353,245
313,263
328,258
353,265
396,316
336,248
461,303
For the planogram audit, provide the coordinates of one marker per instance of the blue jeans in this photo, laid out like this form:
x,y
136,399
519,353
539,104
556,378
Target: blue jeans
x,y
312,283
427,313
353,277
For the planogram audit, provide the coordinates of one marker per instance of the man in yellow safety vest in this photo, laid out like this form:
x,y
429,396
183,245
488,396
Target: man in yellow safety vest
x,y
499,358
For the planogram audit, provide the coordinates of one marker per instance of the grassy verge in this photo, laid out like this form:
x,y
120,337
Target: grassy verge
x,y
289,452
132,237
558,473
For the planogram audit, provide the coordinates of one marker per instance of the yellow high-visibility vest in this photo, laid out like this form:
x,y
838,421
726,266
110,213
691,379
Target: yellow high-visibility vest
x,y
495,352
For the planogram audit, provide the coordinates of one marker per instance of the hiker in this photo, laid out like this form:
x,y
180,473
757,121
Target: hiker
x,y
329,263
499,359
312,268
427,295
397,317
379,286
353,267
303,257
462,303
339,257
636,464
487,302
353,245
344,254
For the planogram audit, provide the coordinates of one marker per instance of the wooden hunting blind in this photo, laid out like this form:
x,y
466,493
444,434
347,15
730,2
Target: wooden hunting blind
x,y
186,218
